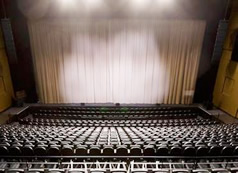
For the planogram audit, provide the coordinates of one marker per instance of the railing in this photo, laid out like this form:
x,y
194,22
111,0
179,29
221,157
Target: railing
x,y
119,167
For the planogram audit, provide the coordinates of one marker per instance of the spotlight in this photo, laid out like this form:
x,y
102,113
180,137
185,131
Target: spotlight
x,y
139,4
92,4
67,3
165,2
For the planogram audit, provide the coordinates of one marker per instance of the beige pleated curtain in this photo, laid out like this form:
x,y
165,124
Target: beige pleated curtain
x,y
122,61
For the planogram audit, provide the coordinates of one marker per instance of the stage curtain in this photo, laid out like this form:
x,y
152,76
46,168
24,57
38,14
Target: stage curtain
x,y
125,61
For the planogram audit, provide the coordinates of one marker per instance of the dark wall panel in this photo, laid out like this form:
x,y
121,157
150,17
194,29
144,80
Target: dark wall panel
x,y
22,70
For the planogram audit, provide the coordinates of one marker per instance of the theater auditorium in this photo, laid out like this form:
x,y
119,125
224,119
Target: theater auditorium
x,y
118,86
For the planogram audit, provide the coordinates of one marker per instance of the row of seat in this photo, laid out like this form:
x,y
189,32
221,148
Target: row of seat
x,y
139,135
112,116
121,111
117,131
197,140
115,112
118,108
117,123
119,150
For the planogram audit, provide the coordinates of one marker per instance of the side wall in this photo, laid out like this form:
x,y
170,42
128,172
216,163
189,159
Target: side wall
x,y
226,87
6,89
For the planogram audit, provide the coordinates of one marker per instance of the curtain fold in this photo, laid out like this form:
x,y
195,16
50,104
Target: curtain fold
x,y
126,61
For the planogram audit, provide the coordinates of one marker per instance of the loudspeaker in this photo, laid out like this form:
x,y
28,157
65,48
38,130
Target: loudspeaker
x,y
220,39
9,40
234,56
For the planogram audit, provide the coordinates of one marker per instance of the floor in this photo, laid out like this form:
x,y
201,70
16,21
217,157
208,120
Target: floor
x,y
7,114
223,116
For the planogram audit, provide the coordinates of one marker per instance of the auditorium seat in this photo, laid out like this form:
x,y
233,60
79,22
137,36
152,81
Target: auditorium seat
x,y
81,150
95,150
36,171
202,150
175,151
98,170
135,150
121,150
180,170
15,150
149,150
40,150
215,150
15,170
27,150
53,150
162,151
220,170
108,150
227,150
77,171
189,151
200,171
234,170
67,150
235,152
